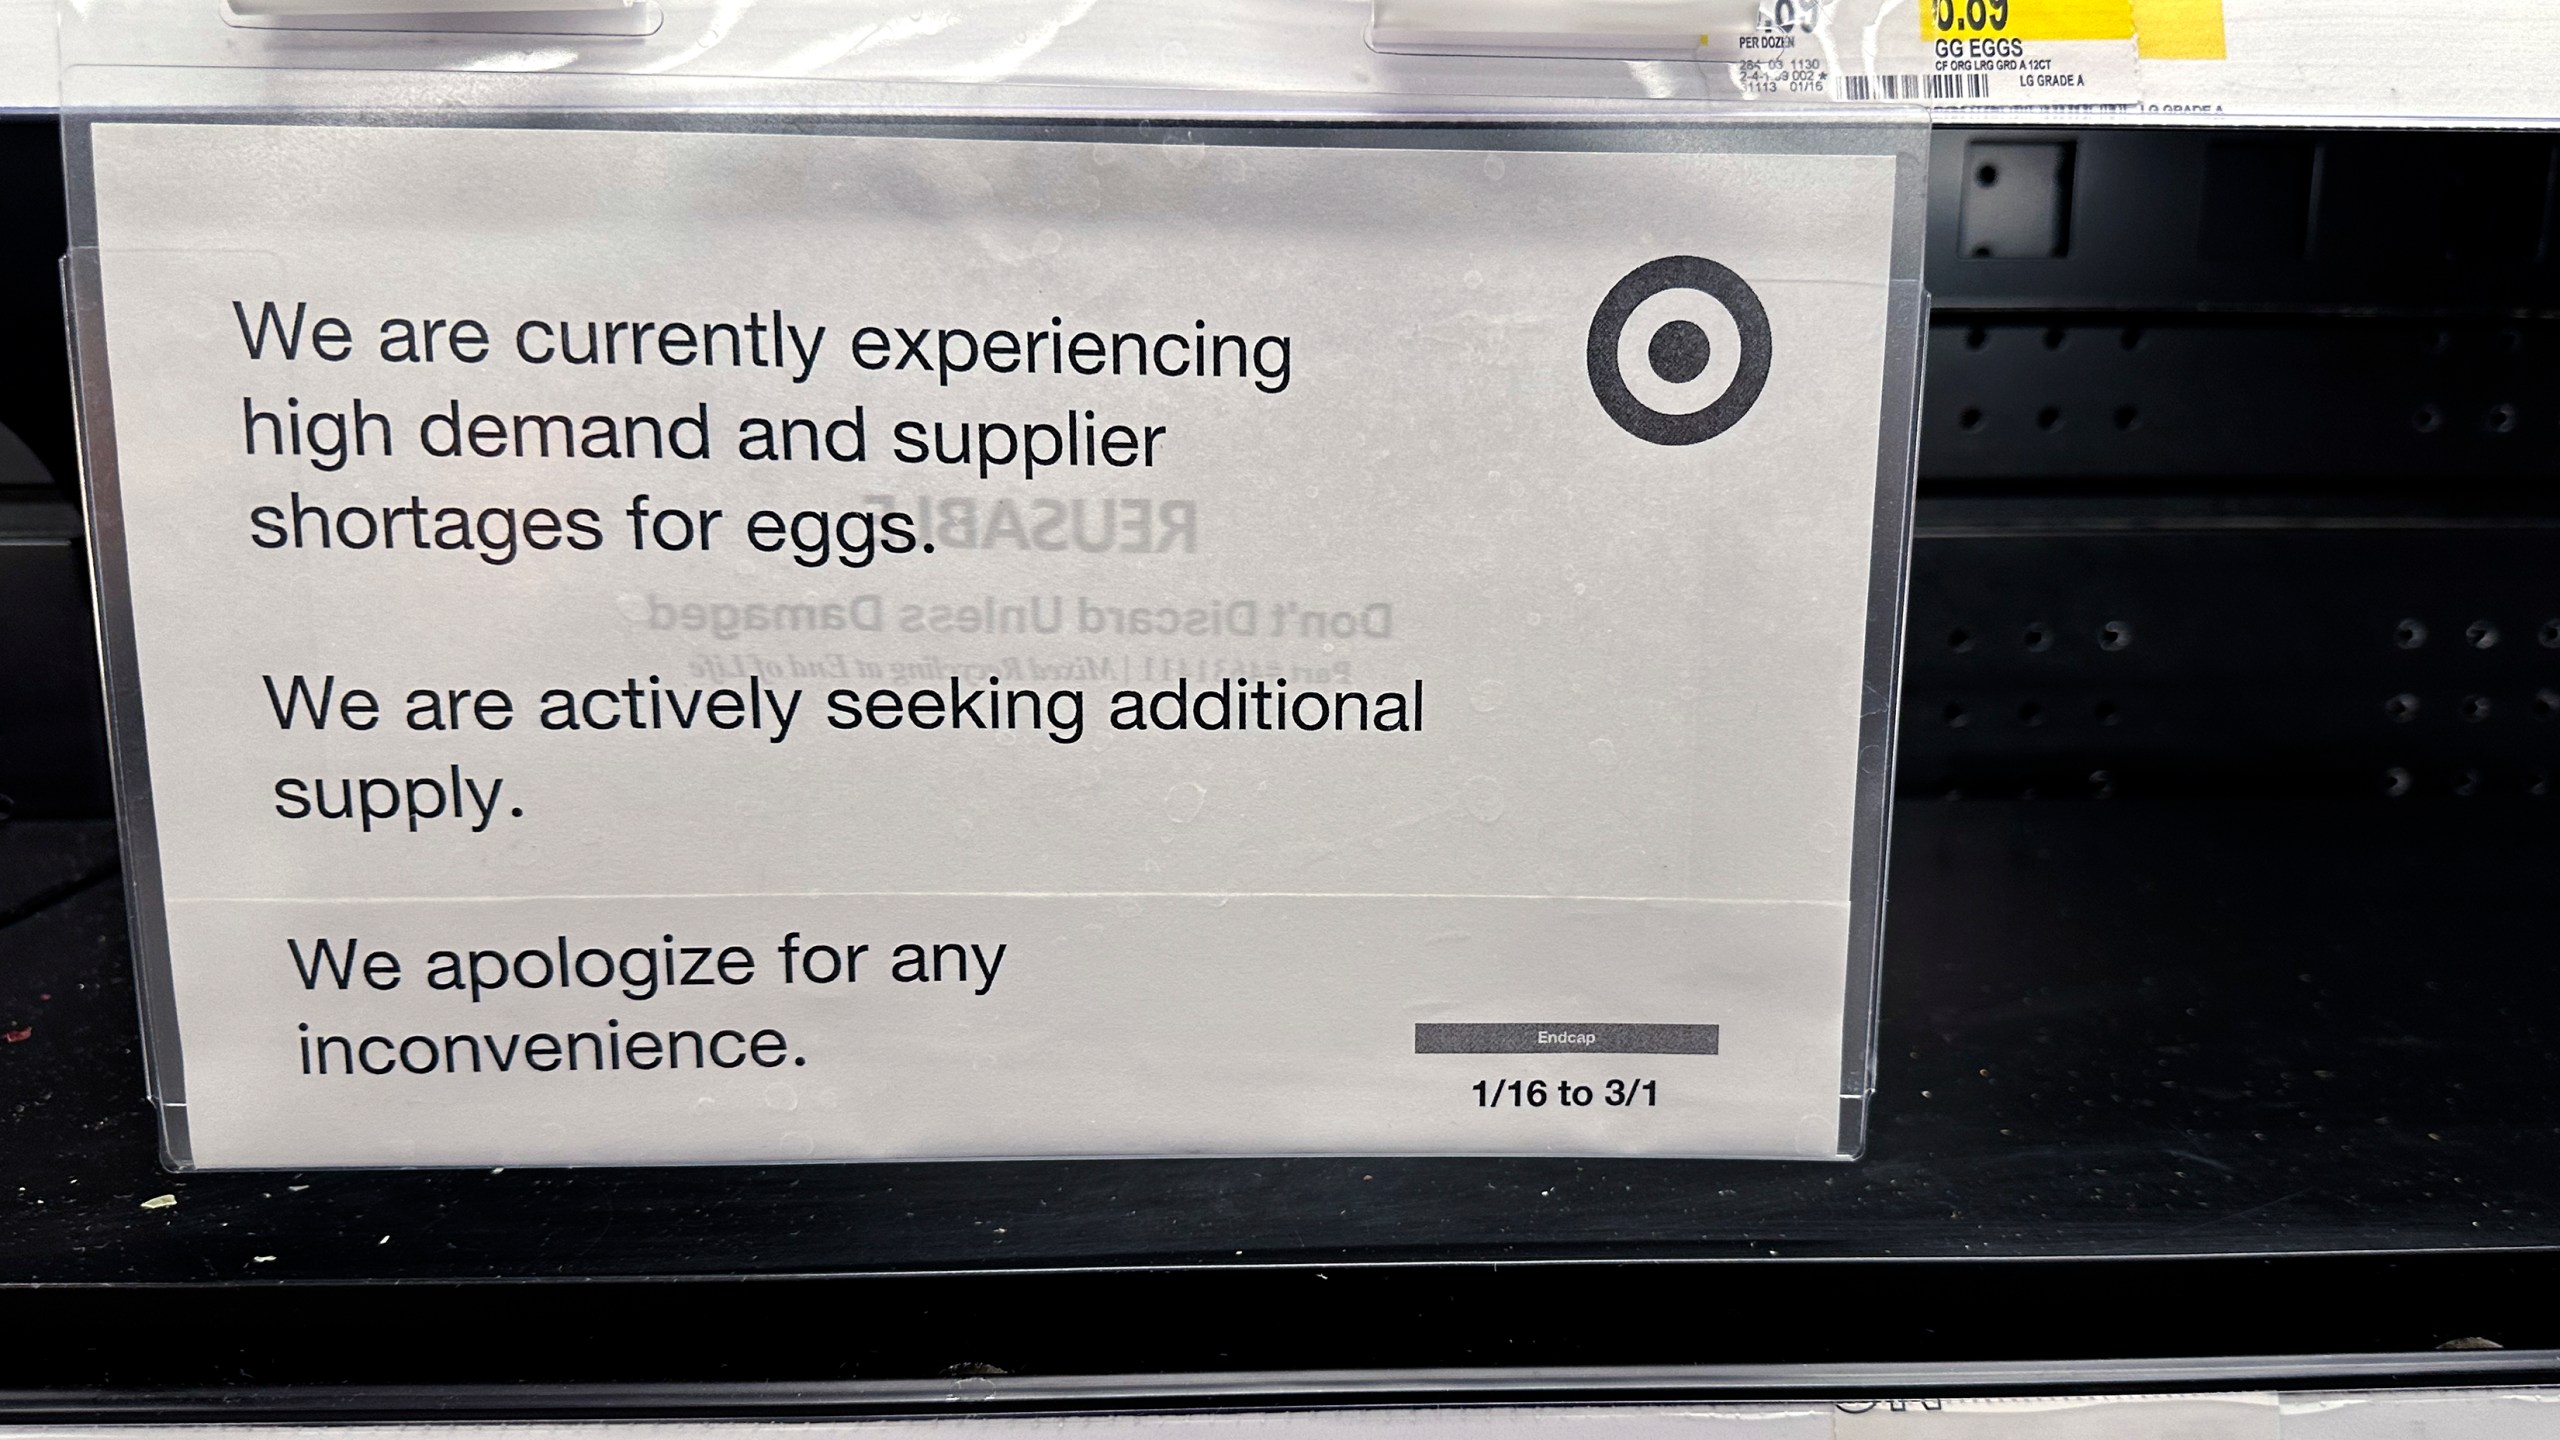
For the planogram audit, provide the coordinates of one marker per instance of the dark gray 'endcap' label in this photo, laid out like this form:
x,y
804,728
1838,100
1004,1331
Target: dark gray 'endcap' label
x,y
1563,1039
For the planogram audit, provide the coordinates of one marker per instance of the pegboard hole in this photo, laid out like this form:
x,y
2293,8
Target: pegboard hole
x,y
2056,337
2128,418
2409,634
2114,635
2102,785
2030,713
2551,634
2502,420
2466,783
2131,339
2402,708
2475,708
2038,637
2397,782
2049,418
1971,419
2546,704
2482,634
1960,641
2427,419
1956,718
1976,338
1987,176
2106,713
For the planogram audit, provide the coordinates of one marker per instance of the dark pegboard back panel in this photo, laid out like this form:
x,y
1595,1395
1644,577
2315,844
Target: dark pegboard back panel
x,y
2341,221
2069,398
2402,659
2214,424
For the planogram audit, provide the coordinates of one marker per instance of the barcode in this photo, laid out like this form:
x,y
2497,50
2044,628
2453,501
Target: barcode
x,y
1915,87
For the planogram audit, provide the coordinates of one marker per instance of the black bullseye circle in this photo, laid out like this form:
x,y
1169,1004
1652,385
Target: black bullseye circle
x,y
1678,351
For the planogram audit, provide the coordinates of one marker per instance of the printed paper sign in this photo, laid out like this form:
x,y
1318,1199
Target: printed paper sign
x,y
707,647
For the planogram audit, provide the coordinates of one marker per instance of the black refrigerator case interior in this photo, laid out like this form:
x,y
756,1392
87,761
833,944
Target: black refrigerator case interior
x,y
2216,974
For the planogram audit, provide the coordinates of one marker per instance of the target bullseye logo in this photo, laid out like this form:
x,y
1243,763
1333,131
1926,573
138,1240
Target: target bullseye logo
x,y
1696,323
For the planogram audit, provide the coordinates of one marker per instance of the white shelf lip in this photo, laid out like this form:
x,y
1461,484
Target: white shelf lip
x,y
2284,63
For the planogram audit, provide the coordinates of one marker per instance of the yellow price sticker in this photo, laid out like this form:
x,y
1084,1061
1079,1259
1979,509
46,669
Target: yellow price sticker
x,y
2179,29
2026,19
2164,29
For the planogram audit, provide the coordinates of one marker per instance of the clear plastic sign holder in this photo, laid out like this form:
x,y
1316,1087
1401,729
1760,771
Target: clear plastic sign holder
x,y
294,882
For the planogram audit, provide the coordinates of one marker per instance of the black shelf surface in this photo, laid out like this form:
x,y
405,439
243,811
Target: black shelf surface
x,y
2111,1028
